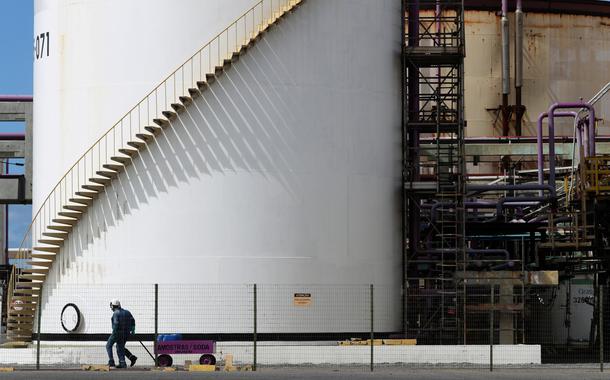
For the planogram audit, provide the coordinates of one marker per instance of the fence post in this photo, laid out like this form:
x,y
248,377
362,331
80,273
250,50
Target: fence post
x,y
254,332
39,307
601,328
156,321
491,330
372,307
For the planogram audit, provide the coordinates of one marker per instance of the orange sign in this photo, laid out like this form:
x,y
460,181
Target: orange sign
x,y
301,299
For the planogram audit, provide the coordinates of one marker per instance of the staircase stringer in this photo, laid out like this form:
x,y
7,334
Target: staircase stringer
x,y
80,187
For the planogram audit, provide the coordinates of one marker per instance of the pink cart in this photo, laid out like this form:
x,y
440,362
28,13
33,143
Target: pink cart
x,y
165,349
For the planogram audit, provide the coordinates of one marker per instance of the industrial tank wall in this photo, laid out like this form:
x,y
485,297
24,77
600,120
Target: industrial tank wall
x,y
566,57
287,171
95,59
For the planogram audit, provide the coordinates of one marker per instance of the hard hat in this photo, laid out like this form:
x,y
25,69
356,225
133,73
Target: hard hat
x,y
115,303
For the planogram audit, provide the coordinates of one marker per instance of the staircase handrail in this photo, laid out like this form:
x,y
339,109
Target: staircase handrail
x,y
216,51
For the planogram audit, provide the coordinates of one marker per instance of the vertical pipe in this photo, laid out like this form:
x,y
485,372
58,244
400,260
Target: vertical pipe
x,y
505,69
540,144
254,334
156,322
372,307
591,131
6,207
518,66
540,147
39,307
505,49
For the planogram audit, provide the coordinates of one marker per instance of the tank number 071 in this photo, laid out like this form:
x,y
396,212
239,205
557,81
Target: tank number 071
x,y
42,43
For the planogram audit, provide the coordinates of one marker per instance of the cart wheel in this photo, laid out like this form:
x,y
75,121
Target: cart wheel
x,y
164,361
207,359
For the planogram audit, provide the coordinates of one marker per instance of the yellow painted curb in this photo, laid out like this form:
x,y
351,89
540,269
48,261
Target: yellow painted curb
x,y
14,345
163,369
7,369
202,368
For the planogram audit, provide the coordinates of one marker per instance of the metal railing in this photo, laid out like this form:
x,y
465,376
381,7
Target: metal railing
x,y
205,61
439,23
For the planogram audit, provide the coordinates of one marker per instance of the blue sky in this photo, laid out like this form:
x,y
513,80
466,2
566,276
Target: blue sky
x,y
16,30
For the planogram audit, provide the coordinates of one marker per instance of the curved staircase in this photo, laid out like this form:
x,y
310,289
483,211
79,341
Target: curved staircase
x,y
79,188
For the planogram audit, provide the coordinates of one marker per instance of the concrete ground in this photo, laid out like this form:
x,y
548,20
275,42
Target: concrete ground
x,y
542,373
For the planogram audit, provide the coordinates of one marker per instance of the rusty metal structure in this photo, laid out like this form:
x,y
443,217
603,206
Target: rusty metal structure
x,y
433,56
536,223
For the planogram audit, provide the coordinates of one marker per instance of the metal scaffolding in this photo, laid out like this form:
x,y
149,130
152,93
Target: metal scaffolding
x,y
433,72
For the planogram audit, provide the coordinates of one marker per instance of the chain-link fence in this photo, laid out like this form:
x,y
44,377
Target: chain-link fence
x,y
258,326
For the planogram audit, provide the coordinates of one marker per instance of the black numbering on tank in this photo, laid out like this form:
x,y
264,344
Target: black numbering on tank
x,y
42,45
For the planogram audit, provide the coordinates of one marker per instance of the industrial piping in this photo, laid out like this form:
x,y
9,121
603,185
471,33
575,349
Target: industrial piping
x,y
520,187
505,68
499,205
517,202
590,133
470,251
12,136
520,109
540,146
16,98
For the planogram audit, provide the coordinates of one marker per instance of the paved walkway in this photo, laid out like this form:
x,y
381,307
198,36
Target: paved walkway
x,y
542,373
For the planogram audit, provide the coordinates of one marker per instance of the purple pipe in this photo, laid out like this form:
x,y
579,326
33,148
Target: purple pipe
x,y
517,202
502,203
544,218
6,171
590,124
16,98
526,186
12,136
473,205
539,137
590,133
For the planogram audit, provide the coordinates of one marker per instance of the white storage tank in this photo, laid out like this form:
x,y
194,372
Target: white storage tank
x,y
286,171
573,311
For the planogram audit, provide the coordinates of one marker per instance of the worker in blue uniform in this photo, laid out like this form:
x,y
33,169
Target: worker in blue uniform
x,y
123,325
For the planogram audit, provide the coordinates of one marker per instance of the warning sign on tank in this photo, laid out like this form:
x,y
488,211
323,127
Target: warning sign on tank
x,y
301,299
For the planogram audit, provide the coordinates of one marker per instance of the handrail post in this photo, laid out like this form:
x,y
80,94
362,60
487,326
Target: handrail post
x,y
254,332
50,206
372,307
39,307
156,323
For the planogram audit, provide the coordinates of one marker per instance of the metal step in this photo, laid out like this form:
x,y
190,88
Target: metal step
x,y
155,130
178,107
82,201
162,122
186,100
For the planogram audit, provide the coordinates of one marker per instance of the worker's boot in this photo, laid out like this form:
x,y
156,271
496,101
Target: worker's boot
x,y
111,363
122,365
132,360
